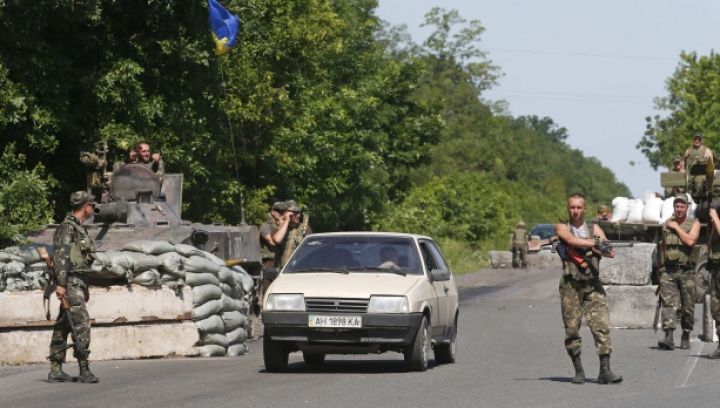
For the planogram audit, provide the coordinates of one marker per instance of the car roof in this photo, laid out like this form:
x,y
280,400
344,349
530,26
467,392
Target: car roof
x,y
544,226
370,234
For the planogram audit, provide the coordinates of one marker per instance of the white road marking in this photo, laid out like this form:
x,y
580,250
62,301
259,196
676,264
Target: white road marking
x,y
692,361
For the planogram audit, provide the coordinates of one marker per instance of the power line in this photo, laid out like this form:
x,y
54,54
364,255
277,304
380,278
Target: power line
x,y
577,54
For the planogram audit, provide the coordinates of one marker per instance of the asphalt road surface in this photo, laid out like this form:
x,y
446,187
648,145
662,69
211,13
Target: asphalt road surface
x,y
510,354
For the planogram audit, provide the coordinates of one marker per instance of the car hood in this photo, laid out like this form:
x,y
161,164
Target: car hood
x,y
338,285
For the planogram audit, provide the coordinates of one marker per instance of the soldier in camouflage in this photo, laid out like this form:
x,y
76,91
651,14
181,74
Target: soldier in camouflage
x,y
697,153
677,275
581,292
714,269
519,244
153,161
267,229
74,252
677,168
290,234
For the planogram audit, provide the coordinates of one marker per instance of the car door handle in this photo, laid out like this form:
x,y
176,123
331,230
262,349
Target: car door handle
x,y
446,289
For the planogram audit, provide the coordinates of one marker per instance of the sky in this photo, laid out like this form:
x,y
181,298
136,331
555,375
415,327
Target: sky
x,y
593,67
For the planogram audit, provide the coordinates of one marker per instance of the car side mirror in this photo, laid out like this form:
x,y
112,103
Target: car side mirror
x,y
271,273
439,275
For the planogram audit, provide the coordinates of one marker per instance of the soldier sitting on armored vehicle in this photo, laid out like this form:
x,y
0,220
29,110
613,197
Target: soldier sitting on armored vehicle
x,y
697,153
678,167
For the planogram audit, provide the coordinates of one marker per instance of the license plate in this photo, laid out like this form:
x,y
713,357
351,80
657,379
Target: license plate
x,y
334,321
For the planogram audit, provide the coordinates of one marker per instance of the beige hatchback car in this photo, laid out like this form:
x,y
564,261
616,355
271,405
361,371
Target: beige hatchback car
x,y
361,293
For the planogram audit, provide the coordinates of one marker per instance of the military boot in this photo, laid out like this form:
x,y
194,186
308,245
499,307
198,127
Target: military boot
x,y
56,373
667,343
685,340
579,372
607,376
715,355
86,375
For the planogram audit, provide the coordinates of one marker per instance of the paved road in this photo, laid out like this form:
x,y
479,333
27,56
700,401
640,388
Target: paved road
x,y
511,354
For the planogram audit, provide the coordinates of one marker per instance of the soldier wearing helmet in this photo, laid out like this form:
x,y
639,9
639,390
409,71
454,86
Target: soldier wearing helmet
x,y
290,233
520,239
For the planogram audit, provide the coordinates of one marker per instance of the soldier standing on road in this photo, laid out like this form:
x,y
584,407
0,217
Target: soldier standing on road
x,y
267,229
519,244
714,269
697,153
290,234
581,291
677,275
73,254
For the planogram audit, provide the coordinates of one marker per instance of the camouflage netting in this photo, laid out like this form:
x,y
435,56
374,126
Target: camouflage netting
x,y
221,295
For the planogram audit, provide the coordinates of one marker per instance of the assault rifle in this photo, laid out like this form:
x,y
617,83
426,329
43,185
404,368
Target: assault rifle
x,y
64,305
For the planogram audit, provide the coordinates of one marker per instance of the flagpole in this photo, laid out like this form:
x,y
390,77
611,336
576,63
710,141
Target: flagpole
x,y
232,140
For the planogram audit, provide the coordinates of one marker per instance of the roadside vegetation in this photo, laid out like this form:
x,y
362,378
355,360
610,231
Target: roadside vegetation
x,y
323,102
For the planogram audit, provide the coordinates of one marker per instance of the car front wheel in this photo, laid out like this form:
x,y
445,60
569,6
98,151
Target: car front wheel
x,y
275,355
416,353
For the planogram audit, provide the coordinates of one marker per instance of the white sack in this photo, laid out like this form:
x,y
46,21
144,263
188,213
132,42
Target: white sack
x,y
148,278
207,309
652,210
621,208
636,211
204,293
217,339
172,263
213,324
233,320
211,350
200,264
150,247
237,349
188,250
667,209
198,279
5,257
144,262
238,335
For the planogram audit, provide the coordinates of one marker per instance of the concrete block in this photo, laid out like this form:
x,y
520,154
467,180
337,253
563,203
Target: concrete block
x,y
501,259
108,342
543,260
630,266
631,307
119,304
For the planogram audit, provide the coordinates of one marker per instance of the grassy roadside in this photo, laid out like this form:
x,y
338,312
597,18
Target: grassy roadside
x,y
465,257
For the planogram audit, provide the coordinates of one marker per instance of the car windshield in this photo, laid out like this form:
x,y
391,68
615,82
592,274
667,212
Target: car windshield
x,y
344,254
544,231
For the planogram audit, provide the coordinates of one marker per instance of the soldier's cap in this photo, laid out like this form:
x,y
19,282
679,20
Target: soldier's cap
x,y
279,206
677,158
681,197
697,135
602,209
81,197
521,224
292,206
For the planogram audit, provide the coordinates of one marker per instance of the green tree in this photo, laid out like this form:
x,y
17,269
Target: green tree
x,y
692,105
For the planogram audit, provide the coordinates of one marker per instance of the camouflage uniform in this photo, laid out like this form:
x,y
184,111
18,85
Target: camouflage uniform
x,y
581,293
157,167
293,238
713,267
519,245
677,280
673,191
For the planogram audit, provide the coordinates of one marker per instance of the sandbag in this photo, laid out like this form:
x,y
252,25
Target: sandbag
x,y
207,309
14,269
246,281
172,263
667,209
18,285
212,350
233,320
37,283
150,247
217,339
229,290
200,264
214,258
188,250
5,257
238,335
148,278
237,349
198,279
144,262
621,208
227,276
204,293
27,254
37,266
230,304
636,211
652,209
213,324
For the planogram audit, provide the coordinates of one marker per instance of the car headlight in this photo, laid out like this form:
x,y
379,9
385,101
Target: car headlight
x,y
388,304
285,303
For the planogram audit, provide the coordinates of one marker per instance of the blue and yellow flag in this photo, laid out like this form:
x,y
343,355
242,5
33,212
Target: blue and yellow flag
x,y
224,27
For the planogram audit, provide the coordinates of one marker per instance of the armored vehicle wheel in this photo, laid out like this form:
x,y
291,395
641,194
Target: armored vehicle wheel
x,y
275,355
417,352
445,353
313,359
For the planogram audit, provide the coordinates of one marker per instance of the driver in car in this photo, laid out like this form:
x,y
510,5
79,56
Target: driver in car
x,y
389,258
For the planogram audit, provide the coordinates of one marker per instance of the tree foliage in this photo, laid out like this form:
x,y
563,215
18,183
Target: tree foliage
x,y
692,105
